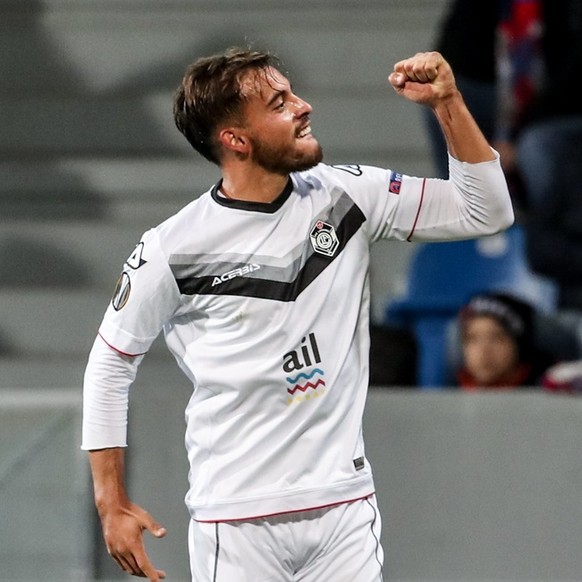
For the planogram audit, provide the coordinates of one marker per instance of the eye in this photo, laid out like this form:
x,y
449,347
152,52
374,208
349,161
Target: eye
x,y
280,105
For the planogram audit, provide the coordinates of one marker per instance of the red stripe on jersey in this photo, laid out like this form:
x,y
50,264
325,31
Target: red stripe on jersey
x,y
418,211
286,512
119,351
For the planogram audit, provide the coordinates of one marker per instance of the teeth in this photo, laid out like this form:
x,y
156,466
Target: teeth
x,y
304,132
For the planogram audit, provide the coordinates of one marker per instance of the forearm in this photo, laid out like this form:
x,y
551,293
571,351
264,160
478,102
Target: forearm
x,y
465,141
108,472
122,521
107,380
108,377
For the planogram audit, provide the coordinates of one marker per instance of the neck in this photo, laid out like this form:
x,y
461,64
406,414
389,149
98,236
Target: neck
x,y
252,184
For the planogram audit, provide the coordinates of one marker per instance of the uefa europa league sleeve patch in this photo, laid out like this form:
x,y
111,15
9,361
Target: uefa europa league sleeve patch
x,y
121,292
395,183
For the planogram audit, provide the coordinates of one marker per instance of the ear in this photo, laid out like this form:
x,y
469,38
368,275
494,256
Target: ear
x,y
235,140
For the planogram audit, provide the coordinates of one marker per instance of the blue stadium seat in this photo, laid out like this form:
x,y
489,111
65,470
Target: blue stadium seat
x,y
440,279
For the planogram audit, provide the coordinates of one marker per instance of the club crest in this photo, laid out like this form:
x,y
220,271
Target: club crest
x,y
324,239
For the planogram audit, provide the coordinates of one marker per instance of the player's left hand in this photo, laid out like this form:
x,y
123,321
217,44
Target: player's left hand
x,y
424,78
123,532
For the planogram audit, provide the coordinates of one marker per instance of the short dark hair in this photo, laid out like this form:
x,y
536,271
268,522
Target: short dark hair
x,y
210,92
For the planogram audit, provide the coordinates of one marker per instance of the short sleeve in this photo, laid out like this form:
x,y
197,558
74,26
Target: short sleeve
x,y
388,199
145,298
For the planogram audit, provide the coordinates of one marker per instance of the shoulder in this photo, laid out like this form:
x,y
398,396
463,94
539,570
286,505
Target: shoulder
x,y
345,175
189,219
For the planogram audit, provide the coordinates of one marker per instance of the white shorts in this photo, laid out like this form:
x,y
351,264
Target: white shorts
x,y
335,544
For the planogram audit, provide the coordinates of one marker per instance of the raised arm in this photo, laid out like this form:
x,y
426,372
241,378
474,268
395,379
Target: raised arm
x,y
475,200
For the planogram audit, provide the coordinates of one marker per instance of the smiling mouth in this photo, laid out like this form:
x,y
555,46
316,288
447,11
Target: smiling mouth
x,y
304,132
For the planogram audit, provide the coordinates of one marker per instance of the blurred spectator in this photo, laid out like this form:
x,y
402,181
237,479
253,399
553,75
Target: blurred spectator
x,y
498,51
496,332
564,377
467,37
549,156
515,61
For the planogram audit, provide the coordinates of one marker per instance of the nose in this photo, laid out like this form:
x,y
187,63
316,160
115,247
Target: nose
x,y
303,108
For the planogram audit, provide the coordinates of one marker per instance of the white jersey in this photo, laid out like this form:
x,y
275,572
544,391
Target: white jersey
x,y
266,309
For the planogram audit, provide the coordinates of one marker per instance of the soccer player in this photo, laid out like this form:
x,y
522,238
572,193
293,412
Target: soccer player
x,y
261,289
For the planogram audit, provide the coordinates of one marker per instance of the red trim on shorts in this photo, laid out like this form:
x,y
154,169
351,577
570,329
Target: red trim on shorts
x,y
119,351
418,211
286,512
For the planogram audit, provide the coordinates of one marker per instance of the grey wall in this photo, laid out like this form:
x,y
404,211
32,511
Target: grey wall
x,y
478,486
45,532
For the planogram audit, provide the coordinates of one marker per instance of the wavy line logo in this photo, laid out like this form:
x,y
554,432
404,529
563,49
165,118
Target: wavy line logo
x,y
303,392
305,387
306,376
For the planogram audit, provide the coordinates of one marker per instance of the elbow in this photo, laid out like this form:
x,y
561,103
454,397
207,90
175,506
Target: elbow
x,y
505,215
501,219
507,218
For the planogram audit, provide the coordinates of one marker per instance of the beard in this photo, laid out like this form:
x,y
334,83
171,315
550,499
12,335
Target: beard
x,y
282,160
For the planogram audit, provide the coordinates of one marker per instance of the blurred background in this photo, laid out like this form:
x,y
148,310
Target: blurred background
x,y
471,486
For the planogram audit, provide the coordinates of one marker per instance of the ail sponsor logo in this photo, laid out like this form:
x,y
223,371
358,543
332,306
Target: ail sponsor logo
x,y
309,383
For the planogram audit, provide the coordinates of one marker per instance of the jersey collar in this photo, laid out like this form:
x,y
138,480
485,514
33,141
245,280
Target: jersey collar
x,y
266,207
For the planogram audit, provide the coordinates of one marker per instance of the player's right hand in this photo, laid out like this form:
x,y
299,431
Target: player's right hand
x,y
123,533
424,78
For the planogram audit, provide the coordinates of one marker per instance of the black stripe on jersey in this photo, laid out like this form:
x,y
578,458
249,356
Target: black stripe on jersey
x,y
266,207
269,288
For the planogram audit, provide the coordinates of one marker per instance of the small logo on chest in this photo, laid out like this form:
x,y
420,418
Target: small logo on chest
x,y
238,272
324,238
